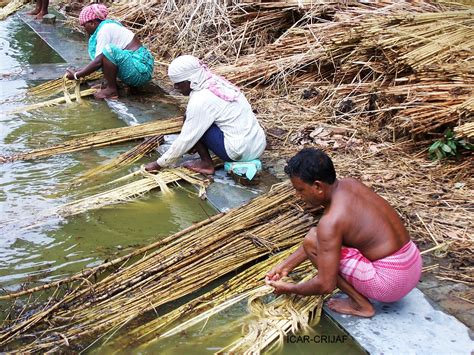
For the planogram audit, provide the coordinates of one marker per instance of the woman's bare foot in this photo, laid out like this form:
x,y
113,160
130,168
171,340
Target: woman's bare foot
x,y
99,86
348,306
106,93
40,15
33,12
200,167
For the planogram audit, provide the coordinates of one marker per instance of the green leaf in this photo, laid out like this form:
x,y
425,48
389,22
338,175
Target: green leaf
x,y
452,145
446,148
435,146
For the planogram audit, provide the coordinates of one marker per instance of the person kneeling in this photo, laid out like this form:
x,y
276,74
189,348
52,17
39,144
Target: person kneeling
x,y
360,244
114,49
218,117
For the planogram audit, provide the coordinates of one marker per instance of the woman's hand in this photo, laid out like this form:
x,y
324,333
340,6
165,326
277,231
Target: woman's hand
x,y
70,74
153,166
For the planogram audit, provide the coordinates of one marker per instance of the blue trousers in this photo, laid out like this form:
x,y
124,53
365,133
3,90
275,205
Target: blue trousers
x,y
213,139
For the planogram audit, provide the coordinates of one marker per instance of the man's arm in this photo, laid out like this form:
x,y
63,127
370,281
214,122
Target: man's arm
x,y
324,251
197,122
282,269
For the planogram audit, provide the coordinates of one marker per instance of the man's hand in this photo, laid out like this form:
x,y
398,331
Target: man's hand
x,y
153,166
70,74
277,273
281,287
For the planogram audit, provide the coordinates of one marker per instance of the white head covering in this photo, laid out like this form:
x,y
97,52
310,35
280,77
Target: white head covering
x,y
188,67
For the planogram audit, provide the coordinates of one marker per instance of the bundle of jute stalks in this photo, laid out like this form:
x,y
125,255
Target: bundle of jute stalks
x,y
465,130
56,86
104,138
203,307
129,157
181,265
269,320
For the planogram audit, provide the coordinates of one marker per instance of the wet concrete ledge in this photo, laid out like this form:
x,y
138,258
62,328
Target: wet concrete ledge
x,y
410,326
70,45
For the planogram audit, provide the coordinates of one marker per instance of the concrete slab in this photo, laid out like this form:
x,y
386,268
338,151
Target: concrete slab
x,y
42,72
133,112
409,326
224,194
70,45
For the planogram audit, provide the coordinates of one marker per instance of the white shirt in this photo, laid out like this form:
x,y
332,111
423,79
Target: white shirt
x,y
244,139
112,33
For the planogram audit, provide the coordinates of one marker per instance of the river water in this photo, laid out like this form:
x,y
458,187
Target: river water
x,y
57,247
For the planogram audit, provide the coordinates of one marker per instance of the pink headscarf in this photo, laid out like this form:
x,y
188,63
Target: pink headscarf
x,y
92,12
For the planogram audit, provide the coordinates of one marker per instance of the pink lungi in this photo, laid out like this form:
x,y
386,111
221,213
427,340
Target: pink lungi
x,y
385,280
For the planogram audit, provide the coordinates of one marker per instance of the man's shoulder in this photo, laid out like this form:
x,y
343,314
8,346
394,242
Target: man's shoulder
x,y
329,223
350,188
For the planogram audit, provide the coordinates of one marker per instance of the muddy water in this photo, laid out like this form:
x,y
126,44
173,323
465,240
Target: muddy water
x,y
56,247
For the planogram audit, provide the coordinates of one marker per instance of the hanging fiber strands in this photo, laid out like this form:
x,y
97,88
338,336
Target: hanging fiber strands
x,y
56,86
104,138
183,265
60,100
133,190
286,314
124,159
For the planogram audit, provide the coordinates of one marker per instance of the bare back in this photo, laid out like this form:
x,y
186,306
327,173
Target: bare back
x,y
366,221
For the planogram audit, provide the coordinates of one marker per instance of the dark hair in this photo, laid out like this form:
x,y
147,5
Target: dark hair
x,y
311,164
